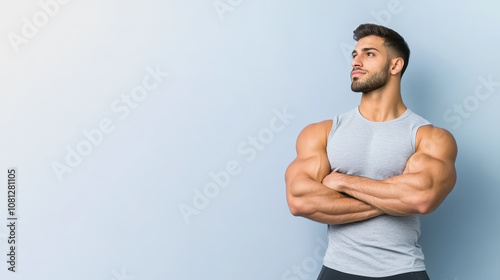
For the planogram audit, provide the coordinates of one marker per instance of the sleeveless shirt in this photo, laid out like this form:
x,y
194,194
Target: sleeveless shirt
x,y
385,245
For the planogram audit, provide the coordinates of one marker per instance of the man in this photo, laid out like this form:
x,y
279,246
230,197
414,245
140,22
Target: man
x,y
371,172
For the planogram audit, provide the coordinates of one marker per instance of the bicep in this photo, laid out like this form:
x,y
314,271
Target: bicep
x,y
312,160
434,171
433,163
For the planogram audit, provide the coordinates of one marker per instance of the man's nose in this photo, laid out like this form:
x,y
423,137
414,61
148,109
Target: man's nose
x,y
356,62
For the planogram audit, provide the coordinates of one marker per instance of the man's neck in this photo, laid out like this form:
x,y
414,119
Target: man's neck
x,y
383,104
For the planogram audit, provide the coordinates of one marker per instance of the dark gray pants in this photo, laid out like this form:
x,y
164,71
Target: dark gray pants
x,y
330,274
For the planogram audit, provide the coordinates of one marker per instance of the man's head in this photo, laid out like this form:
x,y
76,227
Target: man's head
x,y
380,51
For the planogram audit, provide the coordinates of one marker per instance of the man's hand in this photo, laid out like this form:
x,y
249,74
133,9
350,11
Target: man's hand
x,y
334,181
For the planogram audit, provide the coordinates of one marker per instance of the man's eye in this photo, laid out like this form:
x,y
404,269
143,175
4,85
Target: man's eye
x,y
370,54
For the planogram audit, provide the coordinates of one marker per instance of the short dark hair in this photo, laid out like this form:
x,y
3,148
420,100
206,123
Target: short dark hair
x,y
393,40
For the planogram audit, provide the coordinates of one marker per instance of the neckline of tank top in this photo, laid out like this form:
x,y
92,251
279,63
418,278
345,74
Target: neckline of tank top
x,y
403,116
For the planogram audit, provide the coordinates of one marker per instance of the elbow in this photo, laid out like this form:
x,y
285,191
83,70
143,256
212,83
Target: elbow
x,y
295,211
296,201
297,206
425,209
424,204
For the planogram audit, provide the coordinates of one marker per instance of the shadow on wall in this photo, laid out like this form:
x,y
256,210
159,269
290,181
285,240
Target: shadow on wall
x,y
459,238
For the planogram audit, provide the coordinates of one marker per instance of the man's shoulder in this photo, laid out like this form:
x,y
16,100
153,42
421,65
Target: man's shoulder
x,y
315,135
317,129
431,131
430,137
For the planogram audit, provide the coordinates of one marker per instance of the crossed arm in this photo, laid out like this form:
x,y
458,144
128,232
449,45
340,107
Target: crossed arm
x,y
307,196
315,193
429,176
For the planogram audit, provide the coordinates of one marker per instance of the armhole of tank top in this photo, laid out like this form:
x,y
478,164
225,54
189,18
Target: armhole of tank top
x,y
414,134
332,129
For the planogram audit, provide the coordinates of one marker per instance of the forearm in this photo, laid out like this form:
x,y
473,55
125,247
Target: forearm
x,y
400,195
315,201
327,217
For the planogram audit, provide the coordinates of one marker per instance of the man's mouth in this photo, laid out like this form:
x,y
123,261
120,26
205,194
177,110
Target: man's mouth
x,y
357,73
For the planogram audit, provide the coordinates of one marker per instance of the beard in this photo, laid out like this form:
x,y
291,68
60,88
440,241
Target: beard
x,y
378,80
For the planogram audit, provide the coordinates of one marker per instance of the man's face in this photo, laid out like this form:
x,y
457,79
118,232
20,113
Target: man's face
x,y
370,65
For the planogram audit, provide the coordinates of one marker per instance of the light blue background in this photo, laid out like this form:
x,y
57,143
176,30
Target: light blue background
x,y
116,215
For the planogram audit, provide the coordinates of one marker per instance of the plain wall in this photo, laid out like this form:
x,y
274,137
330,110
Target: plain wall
x,y
151,137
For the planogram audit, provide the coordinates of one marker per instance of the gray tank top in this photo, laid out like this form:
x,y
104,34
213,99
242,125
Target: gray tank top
x,y
385,245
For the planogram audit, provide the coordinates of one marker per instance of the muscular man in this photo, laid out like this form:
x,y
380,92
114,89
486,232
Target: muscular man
x,y
371,172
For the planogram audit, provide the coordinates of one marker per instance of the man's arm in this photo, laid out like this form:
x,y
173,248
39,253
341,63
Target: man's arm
x,y
307,196
428,178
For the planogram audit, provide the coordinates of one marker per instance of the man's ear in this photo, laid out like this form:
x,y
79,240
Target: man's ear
x,y
397,64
